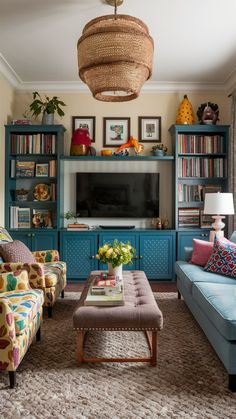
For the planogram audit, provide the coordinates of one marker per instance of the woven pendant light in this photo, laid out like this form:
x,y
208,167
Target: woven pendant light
x,y
115,54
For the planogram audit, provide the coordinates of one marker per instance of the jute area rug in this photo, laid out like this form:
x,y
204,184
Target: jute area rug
x,y
188,382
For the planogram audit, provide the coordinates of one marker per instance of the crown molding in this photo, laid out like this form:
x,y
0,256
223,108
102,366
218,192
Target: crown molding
x,y
149,87
8,73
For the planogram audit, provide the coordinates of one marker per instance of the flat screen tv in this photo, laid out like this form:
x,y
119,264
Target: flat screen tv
x,y
122,195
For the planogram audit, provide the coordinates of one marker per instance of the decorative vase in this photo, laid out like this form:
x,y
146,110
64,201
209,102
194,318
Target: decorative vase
x,y
117,271
48,118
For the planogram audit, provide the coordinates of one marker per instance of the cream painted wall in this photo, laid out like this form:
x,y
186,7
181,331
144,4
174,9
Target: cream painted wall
x,y
6,111
148,104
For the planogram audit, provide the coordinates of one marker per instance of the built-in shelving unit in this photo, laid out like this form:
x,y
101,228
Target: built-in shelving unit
x,y
33,200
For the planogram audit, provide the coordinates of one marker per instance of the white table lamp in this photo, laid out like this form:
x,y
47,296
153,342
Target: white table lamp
x,y
220,204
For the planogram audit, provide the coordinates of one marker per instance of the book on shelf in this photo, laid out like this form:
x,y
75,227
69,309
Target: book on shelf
x,y
25,168
77,226
109,297
24,121
19,217
189,217
24,219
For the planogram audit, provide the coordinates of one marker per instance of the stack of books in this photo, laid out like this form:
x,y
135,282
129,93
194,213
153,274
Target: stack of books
x,y
105,291
77,227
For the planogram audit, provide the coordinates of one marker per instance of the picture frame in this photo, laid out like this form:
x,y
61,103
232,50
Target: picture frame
x,y
116,131
41,218
88,122
149,129
41,170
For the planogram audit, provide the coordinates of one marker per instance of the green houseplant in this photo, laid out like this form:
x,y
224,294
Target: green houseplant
x,y
48,107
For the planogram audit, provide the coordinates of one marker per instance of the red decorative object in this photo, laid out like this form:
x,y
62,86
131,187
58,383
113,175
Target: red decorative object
x,y
81,136
80,142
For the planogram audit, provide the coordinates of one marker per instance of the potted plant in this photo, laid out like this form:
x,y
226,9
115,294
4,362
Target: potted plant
x,y
116,254
48,107
69,215
159,150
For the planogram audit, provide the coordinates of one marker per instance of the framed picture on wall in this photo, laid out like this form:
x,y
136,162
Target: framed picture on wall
x,y
149,129
116,131
85,122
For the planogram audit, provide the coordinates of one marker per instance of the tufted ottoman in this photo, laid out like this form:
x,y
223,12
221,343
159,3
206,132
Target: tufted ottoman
x,y
139,312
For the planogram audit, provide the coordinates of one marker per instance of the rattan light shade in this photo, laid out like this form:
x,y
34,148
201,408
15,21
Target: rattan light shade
x,y
115,54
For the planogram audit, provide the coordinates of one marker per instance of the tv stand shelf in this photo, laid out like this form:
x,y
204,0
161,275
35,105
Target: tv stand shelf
x,y
155,251
166,158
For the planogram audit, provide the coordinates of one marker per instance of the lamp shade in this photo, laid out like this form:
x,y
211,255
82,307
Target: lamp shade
x,y
218,203
115,54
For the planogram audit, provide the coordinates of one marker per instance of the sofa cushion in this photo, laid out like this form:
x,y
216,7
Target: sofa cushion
x,y
189,273
18,280
25,305
218,302
15,252
202,250
223,259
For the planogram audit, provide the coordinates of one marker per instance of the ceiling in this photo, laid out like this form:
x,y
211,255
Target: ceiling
x,y
195,42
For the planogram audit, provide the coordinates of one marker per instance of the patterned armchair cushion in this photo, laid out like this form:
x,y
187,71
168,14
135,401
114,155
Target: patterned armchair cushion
x,y
16,251
10,281
5,236
25,306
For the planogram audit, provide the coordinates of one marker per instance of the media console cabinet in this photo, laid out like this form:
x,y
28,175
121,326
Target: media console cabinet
x,y
155,251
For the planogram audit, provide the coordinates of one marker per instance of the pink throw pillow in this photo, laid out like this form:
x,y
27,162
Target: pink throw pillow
x,y
202,251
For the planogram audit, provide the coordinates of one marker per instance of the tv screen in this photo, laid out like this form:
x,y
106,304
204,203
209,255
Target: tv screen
x,y
130,195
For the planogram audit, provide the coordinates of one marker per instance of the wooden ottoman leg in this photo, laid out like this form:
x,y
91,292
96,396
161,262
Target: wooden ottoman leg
x,y
154,349
80,344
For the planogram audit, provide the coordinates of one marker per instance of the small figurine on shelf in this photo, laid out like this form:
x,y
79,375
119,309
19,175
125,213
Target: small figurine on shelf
x,y
132,142
156,222
165,222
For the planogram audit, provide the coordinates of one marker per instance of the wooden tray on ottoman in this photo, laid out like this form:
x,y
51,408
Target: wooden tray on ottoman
x,y
140,312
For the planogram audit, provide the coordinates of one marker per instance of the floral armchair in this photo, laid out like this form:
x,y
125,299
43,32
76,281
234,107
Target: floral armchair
x,y
20,319
44,268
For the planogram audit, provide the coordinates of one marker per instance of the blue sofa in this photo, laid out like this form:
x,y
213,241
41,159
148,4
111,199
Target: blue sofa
x,y
212,300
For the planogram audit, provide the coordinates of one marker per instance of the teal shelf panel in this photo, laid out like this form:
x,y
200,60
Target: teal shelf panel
x,y
130,158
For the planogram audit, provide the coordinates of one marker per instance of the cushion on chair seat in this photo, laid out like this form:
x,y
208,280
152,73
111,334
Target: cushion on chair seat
x,y
25,305
53,273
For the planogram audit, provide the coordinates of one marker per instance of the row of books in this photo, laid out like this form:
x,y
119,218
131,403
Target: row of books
x,y
20,168
33,143
201,144
194,218
27,218
201,167
195,193
105,290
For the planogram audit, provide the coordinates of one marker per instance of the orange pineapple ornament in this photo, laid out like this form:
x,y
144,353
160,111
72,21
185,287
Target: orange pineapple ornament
x,y
185,112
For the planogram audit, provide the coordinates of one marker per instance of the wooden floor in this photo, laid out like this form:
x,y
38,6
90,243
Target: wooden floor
x,y
156,286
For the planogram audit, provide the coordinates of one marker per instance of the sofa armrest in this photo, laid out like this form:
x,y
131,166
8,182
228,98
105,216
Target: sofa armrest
x,y
35,272
43,256
188,251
